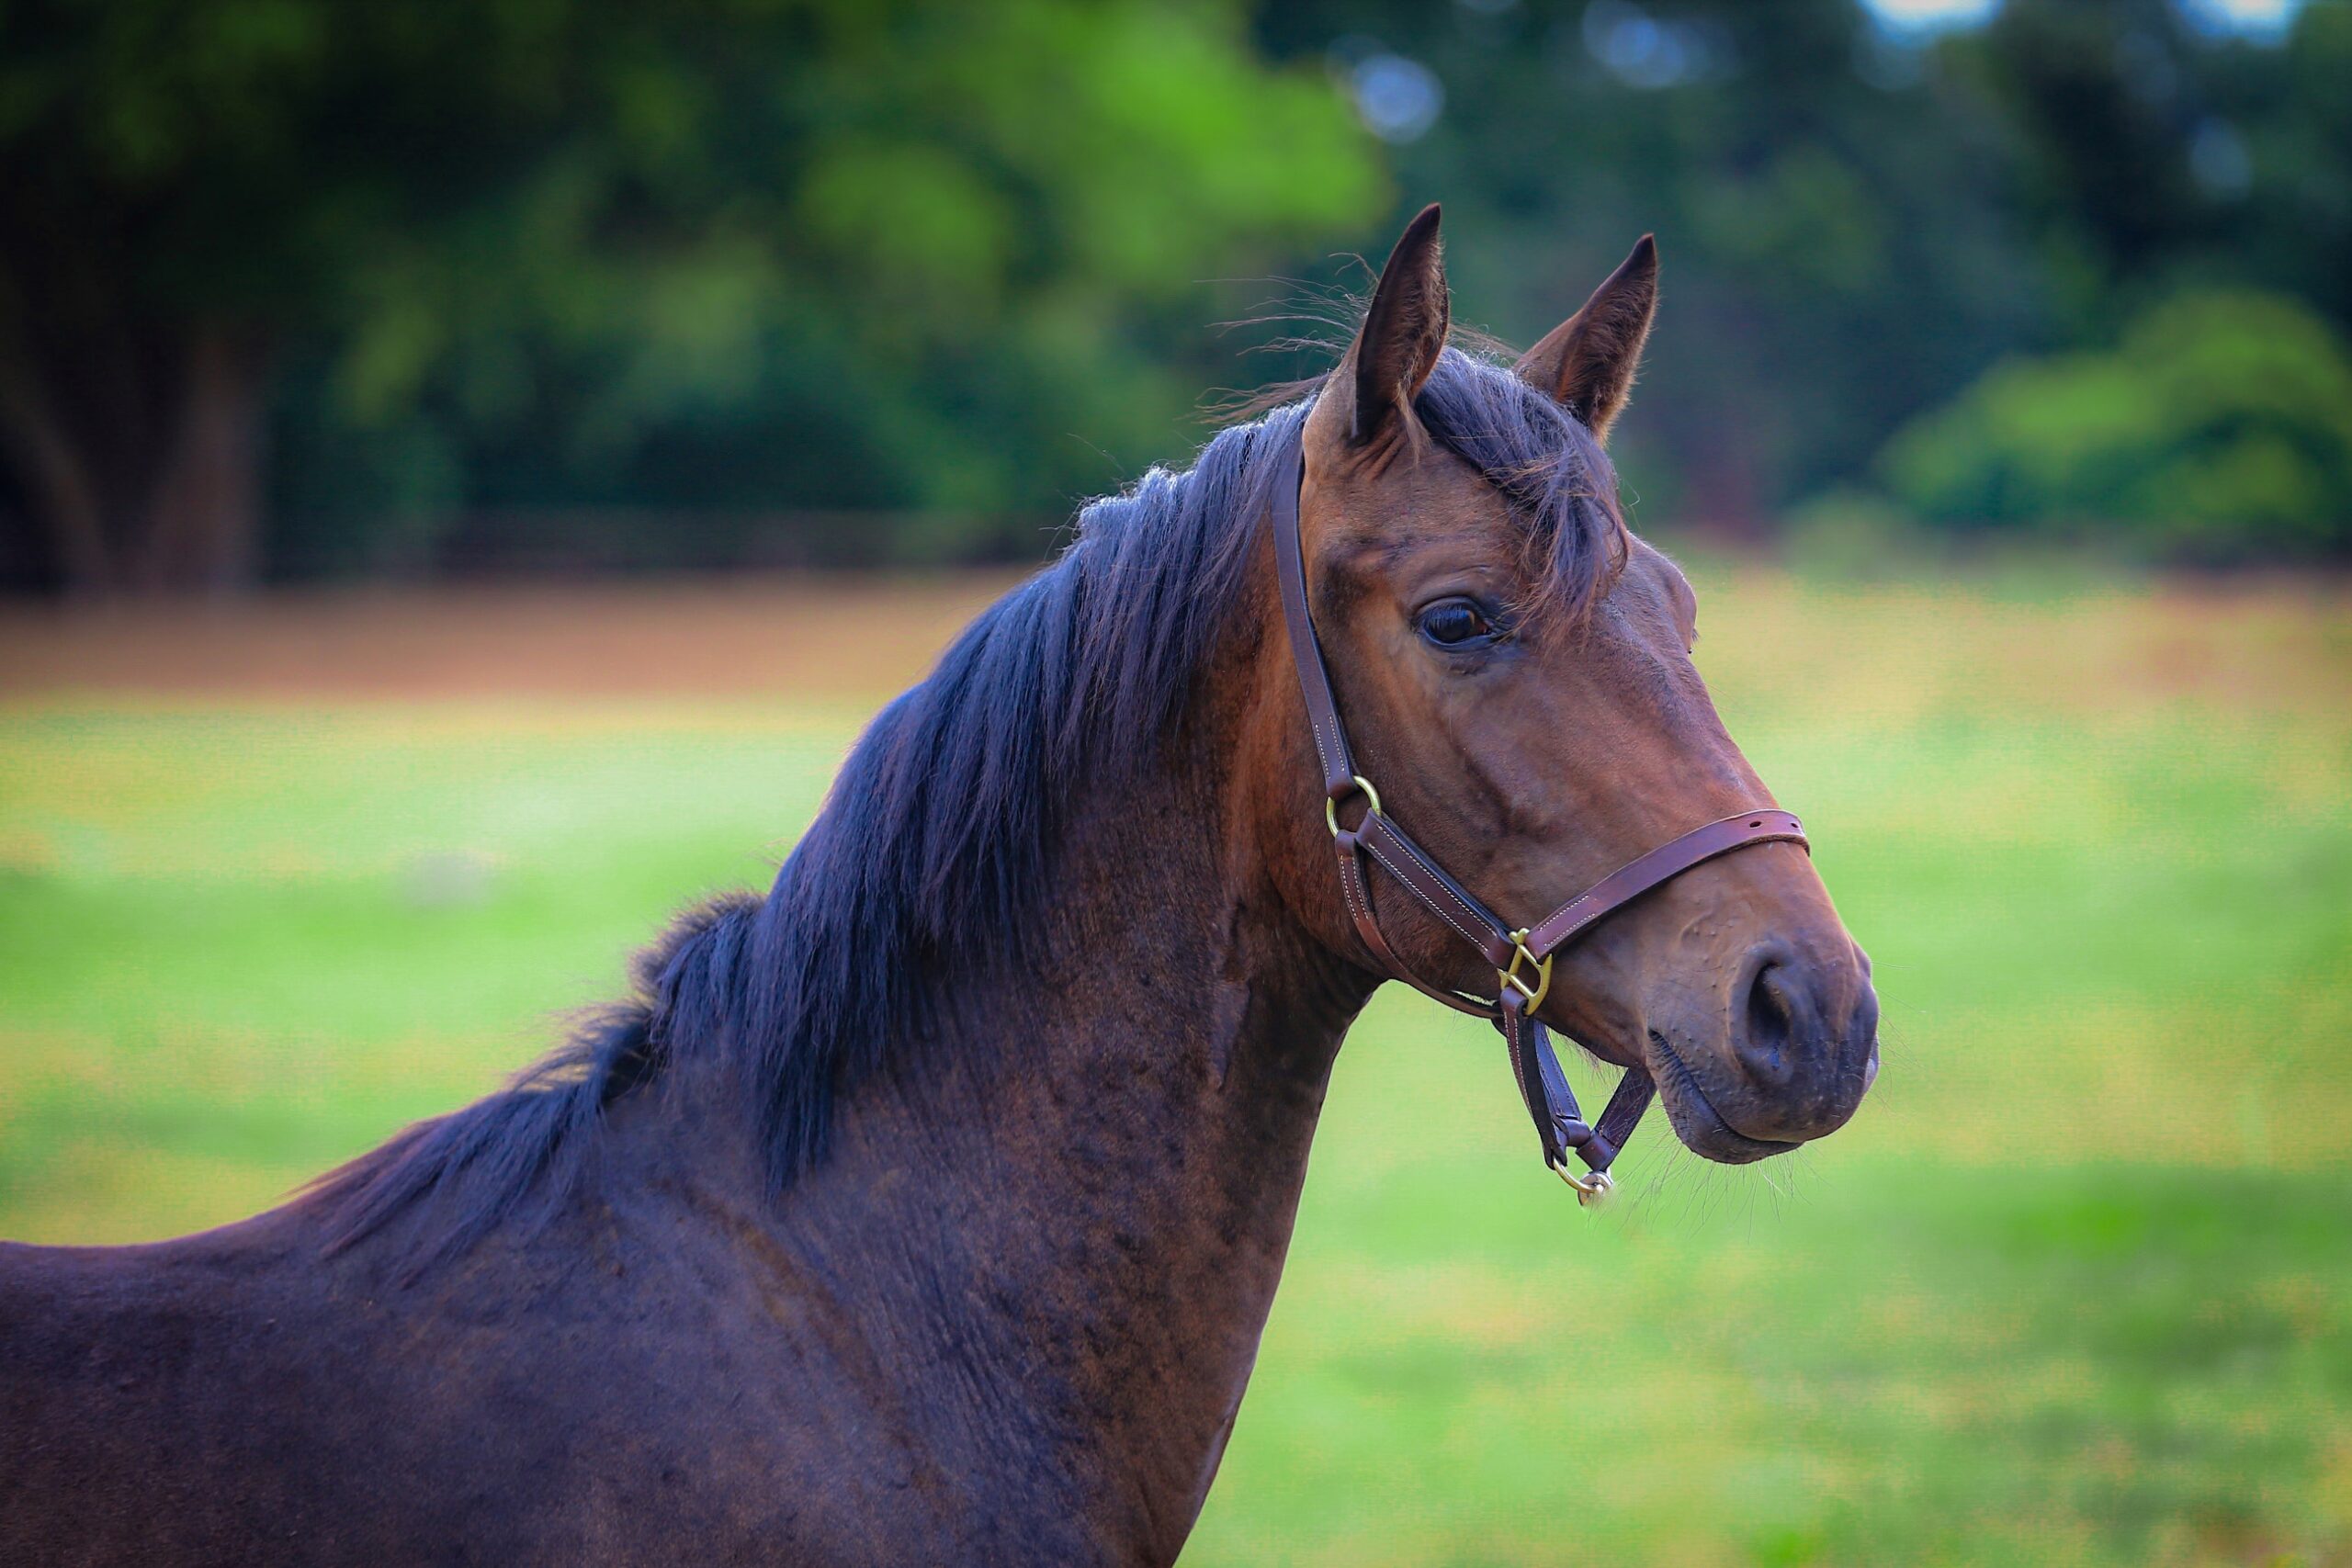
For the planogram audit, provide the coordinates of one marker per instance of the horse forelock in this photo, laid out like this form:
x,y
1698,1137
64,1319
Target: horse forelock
x,y
1550,468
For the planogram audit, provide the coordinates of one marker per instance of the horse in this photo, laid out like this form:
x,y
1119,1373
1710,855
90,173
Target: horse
x,y
929,1209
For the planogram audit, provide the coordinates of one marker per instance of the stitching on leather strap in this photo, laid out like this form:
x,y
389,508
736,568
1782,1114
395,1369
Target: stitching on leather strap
x,y
1435,907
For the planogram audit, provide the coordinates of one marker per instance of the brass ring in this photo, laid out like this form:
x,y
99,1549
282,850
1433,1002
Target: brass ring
x,y
1331,802
1591,1190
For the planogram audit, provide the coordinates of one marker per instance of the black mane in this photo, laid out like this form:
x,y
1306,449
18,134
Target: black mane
x,y
935,844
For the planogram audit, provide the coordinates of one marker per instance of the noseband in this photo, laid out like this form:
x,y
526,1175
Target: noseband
x,y
1521,955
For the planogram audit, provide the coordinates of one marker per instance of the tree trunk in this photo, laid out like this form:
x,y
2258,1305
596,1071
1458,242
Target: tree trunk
x,y
1717,437
138,460
59,495
203,511
1726,491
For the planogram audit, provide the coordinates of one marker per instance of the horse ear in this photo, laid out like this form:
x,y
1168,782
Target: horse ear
x,y
1588,361
1398,347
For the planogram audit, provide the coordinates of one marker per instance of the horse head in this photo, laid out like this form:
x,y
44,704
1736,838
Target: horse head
x,y
1516,668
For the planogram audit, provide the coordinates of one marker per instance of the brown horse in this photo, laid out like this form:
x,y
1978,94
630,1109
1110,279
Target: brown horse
x,y
930,1209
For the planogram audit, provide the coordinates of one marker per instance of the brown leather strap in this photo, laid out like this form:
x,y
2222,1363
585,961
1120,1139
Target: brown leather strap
x,y
1543,1087
1664,864
1618,1118
1340,781
1551,1104
1357,890
1446,898
1314,682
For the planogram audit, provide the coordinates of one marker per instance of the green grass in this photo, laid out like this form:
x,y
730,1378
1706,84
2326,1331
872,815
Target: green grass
x,y
2075,1287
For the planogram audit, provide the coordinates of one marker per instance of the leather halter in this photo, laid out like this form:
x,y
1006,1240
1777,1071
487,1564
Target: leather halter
x,y
1522,956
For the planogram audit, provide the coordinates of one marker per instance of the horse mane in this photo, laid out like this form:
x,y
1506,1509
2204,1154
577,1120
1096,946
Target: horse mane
x,y
932,854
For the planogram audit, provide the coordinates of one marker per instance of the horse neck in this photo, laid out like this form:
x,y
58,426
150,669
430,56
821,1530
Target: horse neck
x,y
1106,1148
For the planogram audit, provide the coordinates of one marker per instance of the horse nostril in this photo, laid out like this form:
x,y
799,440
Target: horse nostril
x,y
1771,1022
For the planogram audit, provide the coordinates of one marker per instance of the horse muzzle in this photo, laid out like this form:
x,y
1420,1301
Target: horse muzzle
x,y
1797,1051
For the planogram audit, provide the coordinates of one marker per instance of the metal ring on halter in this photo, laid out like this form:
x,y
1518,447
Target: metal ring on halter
x,y
1358,785
1591,1190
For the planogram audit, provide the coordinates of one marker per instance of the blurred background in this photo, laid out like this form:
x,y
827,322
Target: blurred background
x,y
467,473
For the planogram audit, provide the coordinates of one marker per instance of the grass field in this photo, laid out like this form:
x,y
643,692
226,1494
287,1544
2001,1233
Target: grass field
x,y
2075,1286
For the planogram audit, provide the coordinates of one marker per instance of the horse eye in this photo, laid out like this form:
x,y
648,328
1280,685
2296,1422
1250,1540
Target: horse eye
x,y
1452,623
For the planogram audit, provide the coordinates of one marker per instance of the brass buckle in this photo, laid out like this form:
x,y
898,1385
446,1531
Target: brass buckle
x,y
1591,1190
1331,802
1533,995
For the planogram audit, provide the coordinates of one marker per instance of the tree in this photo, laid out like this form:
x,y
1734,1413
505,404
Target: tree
x,y
2219,427
897,235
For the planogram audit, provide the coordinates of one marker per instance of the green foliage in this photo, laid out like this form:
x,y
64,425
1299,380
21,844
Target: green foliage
x,y
716,253
917,273
2220,426
909,250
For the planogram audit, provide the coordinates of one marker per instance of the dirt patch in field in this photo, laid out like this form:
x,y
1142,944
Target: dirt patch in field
x,y
1889,652
809,637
